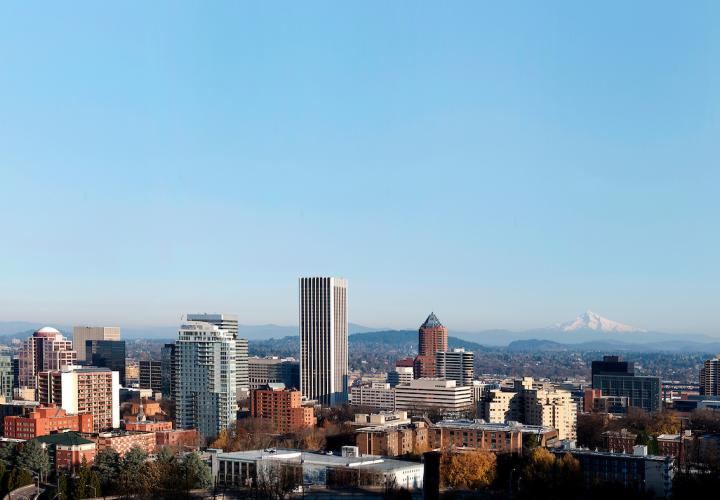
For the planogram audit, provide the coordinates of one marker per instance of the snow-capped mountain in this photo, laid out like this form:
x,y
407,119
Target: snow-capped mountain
x,y
593,321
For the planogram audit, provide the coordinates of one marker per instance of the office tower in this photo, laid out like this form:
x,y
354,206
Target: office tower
x,y
617,378
273,370
84,390
241,370
81,334
206,383
107,354
16,371
710,377
376,395
151,375
433,394
6,377
229,323
167,370
457,365
400,375
47,349
324,340
433,338
282,408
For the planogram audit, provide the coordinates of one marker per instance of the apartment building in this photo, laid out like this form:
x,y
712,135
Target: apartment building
x,y
45,420
282,407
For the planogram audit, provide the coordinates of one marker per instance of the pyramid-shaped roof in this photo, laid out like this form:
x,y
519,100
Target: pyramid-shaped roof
x,y
431,322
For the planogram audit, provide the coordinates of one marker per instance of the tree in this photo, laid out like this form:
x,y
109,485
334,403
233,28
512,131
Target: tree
x,y
87,484
107,466
131,472
19,477
196,472
276,481
34,457
472,470
63,489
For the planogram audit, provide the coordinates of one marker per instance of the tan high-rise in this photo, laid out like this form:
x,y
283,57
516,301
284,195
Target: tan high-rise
x,y
81,334
324,340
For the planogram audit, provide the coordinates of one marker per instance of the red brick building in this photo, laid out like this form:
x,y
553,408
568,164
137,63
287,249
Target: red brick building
x,y
123,442
68,449
45,420
281,407
433,338
177,438
622,440
148,426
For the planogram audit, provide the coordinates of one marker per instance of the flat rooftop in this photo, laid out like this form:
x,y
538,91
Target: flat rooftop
x,y
314,458
481,425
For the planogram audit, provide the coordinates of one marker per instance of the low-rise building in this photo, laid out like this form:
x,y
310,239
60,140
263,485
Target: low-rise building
x,y
619,441
282,407
242,469
640,471
148,426
480,435
45,420
67,450
674,445
433,394
377,395
187,438
392,440
122,442
381,418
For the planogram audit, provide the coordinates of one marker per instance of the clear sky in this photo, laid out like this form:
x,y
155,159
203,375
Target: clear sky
x,y
506,166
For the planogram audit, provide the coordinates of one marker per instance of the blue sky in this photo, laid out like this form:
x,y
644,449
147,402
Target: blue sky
x,y
507,166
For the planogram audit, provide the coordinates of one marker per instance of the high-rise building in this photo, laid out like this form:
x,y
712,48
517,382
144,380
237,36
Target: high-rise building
x,y
167,370
229,323
81,334
324,340
16,371
433,337
274,370
206,382
282,407
6,378
710,377
617,378
107,354
457,365
46,350
151,375
84,390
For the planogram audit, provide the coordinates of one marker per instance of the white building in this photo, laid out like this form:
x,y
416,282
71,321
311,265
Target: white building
x,y
400,375
457,365
242,468
377,395
324,340
206,383
82,334
230,323
433,394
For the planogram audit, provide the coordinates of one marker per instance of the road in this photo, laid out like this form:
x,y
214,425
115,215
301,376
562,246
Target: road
x,y
25,493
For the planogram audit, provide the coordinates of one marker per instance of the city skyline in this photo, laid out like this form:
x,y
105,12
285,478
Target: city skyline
x,y
530,163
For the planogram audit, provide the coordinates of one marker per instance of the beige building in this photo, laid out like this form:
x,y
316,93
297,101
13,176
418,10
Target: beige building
x,y
377,395
433,394
47,349
392,440
532,404
81,334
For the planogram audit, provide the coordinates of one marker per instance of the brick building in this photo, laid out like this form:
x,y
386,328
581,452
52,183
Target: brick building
x,y
122,442
66,450
45,420
622,440
148,426
392,440
177,438
282,407
479,435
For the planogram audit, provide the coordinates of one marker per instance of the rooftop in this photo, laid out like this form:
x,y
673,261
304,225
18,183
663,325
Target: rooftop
x,y
64,439
322,459
479,424
431,322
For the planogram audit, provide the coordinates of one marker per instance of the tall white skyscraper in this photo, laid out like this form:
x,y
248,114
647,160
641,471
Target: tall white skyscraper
x,y
324,339
229,322
206,381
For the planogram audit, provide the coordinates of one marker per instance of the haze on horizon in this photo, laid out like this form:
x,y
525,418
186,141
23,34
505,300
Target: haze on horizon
x,y
506,166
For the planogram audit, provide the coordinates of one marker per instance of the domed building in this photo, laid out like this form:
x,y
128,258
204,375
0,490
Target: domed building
x,y
47,349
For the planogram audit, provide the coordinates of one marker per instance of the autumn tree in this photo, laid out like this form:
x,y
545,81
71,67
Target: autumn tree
x,y
473,470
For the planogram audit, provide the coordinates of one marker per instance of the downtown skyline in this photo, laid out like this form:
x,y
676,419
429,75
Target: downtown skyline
x,y
505,166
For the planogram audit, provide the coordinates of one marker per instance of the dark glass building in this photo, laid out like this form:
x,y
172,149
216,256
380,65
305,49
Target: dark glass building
x,y
107,354
167,370
617,378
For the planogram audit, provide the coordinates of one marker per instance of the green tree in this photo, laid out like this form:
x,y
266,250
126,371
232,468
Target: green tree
x,y
63,487
132,472
34,457
87,484
107,466
196,472
19,477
